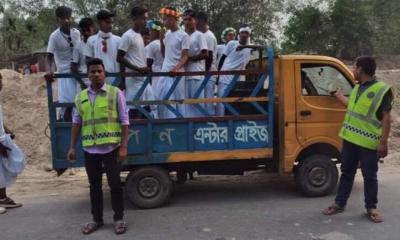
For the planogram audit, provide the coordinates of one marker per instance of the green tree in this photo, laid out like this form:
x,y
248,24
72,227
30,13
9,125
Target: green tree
x,y
308,31
385,20
351,30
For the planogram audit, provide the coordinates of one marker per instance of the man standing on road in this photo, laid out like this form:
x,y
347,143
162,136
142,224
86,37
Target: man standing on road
x,y
102,119
7,178
365,134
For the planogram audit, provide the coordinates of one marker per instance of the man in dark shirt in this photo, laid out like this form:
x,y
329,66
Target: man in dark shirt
x,y
365,134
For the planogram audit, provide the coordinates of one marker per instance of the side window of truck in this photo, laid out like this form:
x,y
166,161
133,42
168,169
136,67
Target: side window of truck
x,y
322,80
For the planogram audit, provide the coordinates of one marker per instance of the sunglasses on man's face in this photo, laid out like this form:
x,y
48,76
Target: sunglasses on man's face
x,y
104,47
70,42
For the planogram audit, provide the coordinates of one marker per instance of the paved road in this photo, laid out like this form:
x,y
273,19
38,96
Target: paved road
x,y
249,207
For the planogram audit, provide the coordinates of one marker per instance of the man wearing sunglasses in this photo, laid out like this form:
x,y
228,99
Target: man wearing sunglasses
x,y
60,49
104,45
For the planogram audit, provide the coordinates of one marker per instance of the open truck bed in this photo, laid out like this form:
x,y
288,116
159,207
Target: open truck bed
x,y
240,140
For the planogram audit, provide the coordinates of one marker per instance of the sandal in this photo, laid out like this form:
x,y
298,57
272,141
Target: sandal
x,y
120,227
91,227
332,210
374,216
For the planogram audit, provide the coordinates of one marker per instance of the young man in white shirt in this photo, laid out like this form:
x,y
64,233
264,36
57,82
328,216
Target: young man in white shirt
x,y
211,61
104,45
175,48
132,56
60,48
78,65
154,55
227,35
198,52
236,56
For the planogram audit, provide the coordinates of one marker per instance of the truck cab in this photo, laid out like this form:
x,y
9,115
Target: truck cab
x,y
280,115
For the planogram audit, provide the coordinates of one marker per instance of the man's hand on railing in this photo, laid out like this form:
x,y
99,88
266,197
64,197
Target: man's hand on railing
x,y
145,70
174,71
49,77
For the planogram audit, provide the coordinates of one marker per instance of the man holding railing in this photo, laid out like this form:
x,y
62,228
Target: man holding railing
x,y
235,57
175,47
132,55
211,61
60,49
198,52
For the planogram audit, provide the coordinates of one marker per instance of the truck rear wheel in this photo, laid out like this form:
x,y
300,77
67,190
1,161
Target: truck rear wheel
x,y
149,187
316,176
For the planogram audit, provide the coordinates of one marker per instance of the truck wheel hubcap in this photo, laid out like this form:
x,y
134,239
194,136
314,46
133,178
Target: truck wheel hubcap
x,y
149,187
317,176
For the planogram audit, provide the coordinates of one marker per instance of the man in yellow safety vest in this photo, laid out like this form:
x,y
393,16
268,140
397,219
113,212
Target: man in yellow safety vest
x,y
365,133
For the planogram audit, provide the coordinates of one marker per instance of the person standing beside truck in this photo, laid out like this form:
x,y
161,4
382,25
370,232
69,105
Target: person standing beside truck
x,y
102,119
7,178
365,134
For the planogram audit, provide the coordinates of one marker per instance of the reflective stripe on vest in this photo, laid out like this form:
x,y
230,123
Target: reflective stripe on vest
x,y
361,126
100,122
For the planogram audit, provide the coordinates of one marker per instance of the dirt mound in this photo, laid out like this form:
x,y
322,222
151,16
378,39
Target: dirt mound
x,y
392,77
24,102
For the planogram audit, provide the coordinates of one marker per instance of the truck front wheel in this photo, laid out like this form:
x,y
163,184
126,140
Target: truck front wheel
x,y
316,176
149,187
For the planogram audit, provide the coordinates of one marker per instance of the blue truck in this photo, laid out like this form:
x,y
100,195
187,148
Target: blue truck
x,y
254,133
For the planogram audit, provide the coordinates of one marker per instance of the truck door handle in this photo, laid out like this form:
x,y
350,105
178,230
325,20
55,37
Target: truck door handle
x,y
305,113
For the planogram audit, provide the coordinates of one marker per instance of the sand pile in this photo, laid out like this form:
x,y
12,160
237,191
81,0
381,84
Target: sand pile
x,y
24,102
392,77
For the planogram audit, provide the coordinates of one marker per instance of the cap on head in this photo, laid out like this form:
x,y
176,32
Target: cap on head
x,y
245,28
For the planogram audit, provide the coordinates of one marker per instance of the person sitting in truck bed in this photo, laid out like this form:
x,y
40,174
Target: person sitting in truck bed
x,y
235,57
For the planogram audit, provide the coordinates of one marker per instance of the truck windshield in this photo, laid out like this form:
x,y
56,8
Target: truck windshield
x,y
322,80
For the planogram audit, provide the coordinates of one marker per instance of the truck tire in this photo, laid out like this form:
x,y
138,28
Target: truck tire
x,y
316,176
148,187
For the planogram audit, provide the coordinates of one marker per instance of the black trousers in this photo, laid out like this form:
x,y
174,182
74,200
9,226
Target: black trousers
x,y
94,164
352,156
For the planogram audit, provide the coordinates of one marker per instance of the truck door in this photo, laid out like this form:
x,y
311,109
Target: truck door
x,y
319,115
